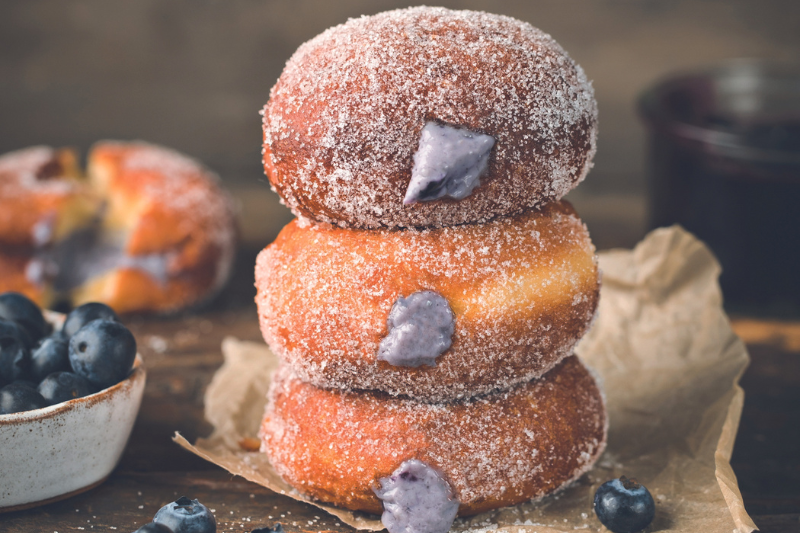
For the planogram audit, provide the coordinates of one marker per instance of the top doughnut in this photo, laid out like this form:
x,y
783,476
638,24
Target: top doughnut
x,y
346,118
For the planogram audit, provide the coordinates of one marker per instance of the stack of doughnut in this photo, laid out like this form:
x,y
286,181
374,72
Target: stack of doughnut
x,y
146,230
426,300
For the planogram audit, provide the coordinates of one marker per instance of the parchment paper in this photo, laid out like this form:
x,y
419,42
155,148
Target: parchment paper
x,y
670,367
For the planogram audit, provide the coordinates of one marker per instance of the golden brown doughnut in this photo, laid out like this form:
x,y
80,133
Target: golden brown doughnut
x,y
523,291
13,277
42,197
494,451
155,221
161,202
345,118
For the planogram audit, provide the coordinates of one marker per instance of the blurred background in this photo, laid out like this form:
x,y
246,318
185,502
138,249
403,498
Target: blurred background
x,y
193,74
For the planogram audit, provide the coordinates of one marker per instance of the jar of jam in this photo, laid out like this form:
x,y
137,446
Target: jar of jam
x,y
725,164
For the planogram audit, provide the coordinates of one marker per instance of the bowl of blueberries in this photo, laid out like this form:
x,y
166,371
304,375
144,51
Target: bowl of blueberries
x,y
70,390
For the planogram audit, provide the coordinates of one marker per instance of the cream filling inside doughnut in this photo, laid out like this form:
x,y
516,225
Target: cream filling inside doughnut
x,y
448,162
420,329
87,254
416,499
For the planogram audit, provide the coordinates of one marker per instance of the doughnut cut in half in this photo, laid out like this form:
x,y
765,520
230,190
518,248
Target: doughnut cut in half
x,y
146,229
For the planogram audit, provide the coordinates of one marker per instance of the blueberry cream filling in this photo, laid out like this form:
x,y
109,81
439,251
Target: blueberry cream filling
x,y
416,499
420,329
448,162
86,254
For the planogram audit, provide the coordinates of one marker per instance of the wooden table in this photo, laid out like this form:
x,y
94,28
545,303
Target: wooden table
x,y
183,352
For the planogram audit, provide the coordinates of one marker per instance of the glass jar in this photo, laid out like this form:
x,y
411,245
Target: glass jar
x,y
725,164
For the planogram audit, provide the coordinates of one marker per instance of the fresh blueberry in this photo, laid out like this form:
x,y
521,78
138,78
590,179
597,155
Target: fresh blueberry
x,y
103,352
154,527
277,528
16,398
82,315
64,386
26,339
18,308
26,383
15,356
186,516
52,355
624,506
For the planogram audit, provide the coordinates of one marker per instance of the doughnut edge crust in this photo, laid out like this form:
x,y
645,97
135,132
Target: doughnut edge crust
x,y
345,117
495,451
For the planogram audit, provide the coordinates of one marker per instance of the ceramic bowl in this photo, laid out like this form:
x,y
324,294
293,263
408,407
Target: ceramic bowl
x,y
52,453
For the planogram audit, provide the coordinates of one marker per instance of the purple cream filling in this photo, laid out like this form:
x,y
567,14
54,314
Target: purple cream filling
x,y
85,255
416,499
420,329
448,162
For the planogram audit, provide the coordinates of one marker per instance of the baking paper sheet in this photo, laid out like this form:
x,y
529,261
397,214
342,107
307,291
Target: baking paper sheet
x,y
670,366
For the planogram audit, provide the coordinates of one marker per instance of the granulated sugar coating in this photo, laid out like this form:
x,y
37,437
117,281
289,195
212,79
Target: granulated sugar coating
x,y
344,120
151,179
523,291
41,196
169,203
494,451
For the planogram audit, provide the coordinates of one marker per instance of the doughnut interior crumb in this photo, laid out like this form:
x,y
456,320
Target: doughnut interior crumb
x,y
143,216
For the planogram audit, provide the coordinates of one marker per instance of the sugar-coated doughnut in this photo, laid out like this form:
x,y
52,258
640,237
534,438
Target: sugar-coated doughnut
x,y
13,277
42,197
348,114
148,229
493,451
166,206
522,291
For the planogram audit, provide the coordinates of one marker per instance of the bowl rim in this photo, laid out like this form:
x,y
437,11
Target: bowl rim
x,y
137,372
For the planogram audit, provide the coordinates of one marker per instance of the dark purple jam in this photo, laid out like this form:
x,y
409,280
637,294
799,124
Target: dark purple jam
x,y
448,162
417,499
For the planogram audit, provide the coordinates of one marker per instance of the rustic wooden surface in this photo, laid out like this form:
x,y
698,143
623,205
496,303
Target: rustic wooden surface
x,y
182,353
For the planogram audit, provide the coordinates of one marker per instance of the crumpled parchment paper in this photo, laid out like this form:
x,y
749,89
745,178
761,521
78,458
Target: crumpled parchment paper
x,y
670,366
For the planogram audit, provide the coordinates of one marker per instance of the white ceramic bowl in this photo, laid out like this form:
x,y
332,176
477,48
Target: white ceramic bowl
x,y
52,453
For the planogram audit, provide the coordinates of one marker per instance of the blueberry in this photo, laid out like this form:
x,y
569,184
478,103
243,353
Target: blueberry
x,y
624,506
154,527
25,383
15,356
82,315
16,398
64,386
52,355
277,528
103,352
18,308
186,516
